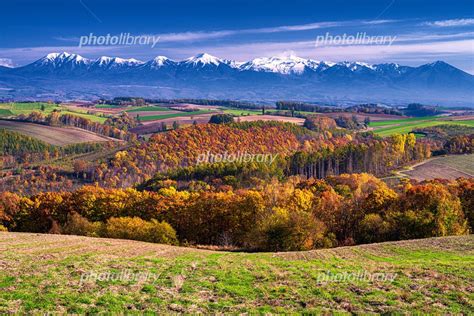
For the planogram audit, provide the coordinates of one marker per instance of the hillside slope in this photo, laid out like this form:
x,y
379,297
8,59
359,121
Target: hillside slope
x,y
63,273
59,136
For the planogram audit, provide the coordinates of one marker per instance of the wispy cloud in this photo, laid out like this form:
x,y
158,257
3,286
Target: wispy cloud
x,y
206,35
423,37
451,23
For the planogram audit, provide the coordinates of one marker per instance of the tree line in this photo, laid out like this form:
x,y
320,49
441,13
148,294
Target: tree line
x,y
296,214
55,118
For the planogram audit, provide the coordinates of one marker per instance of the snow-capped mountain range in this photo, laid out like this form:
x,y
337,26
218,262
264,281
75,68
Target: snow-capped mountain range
x,y
65,75
282,65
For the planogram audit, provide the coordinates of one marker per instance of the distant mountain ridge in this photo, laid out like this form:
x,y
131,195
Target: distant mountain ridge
x,y
62,76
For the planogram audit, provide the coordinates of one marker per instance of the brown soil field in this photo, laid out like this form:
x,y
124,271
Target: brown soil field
x,y
53,135
182,106
74,107
155,126
459,118
449,167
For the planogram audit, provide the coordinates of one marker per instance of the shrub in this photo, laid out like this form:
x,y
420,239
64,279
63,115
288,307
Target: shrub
x,y
373,228
3,228
291,231
319,123
162,233
137,229
221,119
78,225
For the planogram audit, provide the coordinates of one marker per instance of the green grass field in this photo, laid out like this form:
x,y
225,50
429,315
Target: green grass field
x,y
17,108
92,117
166,116
71,274
107,106
402,121
240,112
404,126
5,112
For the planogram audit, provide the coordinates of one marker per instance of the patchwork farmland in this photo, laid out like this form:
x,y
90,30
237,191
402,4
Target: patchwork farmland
x,y
407,125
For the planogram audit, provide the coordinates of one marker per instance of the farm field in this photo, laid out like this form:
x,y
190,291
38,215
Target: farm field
x,y
360,116
148,109
42,273
172,115
92,117
239,112
17,108
251,118
404,126
108,106
53,135
149,127
448,167
404,120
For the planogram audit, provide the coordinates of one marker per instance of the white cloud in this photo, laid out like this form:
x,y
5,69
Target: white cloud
x,y
453,22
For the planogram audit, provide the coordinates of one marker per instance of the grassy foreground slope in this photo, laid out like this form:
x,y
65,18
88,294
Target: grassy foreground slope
x,y
43,273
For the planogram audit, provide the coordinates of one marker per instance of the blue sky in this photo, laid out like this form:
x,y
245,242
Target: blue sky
x,y
423,31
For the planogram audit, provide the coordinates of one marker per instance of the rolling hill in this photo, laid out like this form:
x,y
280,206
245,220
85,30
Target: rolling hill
x,y
59,136
72,274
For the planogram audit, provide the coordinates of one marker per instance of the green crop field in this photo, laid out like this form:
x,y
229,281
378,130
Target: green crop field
x,y
17,108
72,274
107,106
166,116
240,112
407,125
5,112
403,121
92,117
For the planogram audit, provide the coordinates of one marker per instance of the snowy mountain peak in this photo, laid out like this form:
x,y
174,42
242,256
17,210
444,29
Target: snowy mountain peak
x,y
285,65
357,65
104,60
61,59
160,60
112,62
204,59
